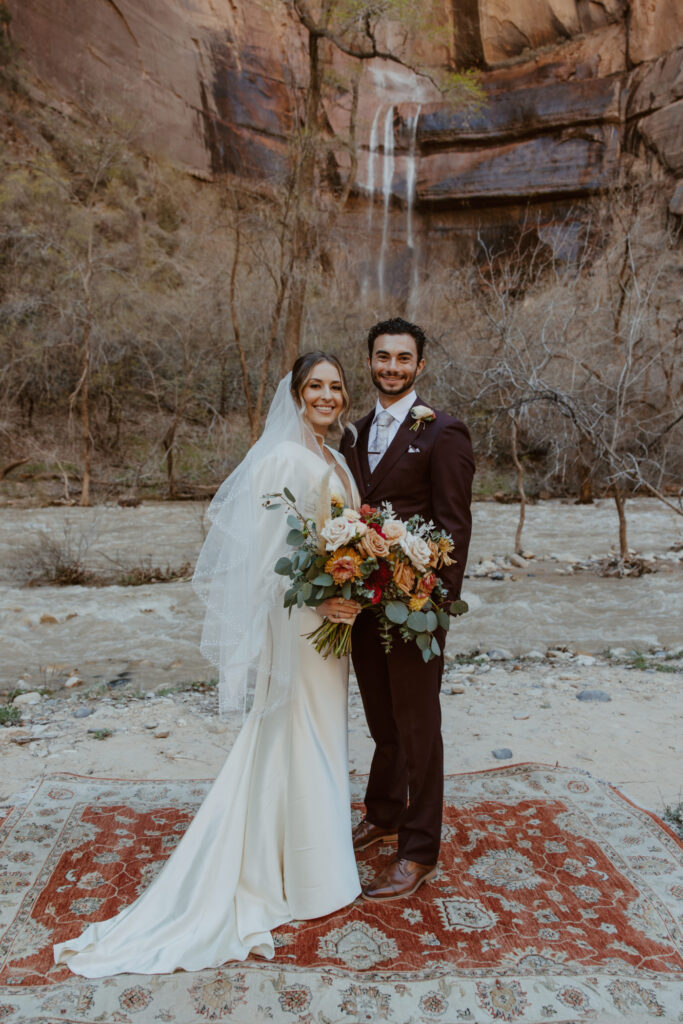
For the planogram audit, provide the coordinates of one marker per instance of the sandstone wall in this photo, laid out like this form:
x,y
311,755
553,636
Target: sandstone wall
x,y
571,86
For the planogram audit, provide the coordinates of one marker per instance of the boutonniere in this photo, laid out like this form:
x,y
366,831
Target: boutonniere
x,y
422,414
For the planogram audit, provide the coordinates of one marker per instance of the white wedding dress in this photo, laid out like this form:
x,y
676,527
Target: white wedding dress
x,y
272,840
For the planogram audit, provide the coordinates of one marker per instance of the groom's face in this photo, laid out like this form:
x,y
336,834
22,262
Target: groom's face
x,y
394,365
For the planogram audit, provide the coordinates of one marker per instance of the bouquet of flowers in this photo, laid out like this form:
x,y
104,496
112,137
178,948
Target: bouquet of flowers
x,y
372,557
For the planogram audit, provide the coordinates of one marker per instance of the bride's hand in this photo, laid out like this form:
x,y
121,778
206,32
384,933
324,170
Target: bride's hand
x,y
338,609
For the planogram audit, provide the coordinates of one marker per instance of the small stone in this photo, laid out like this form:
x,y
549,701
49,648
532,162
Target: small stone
x,y
500,654
161,734
534,656
518,561
502,753
585,660
83,712
152,725
48,620
218,728
457,689
496,576
73,681
22,685
25,699
596,695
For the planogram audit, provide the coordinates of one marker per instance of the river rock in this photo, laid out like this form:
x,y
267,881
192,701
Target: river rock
x,y
500,654
518,561
83,712
72,682
593,695
502,753
27,699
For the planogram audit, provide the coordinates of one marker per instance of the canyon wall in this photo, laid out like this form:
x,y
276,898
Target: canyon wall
x,y
574,87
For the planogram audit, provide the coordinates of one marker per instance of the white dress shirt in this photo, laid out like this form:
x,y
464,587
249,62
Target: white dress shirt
x,y
399,410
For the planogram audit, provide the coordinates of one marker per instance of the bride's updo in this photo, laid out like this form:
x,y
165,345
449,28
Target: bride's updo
x,y
302,370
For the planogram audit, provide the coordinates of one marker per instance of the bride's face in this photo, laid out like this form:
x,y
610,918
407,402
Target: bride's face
x,y
323,397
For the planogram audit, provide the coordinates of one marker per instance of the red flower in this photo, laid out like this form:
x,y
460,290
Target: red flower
x,y
427,583
367,511
376,595
381,576
377,528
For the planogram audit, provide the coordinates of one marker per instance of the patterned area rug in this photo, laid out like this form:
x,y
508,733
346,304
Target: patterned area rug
x,y
557,901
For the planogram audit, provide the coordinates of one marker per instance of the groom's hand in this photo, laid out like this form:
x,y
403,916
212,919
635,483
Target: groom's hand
x,y
338,609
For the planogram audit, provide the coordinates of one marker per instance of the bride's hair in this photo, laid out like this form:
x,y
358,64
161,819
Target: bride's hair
x,y
302,370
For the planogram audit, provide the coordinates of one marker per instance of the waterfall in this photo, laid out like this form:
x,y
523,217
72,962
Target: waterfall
x,y
387,181
411,191
411,173
372,156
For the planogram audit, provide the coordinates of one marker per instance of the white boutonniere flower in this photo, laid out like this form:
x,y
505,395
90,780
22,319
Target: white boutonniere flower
x,y
421,414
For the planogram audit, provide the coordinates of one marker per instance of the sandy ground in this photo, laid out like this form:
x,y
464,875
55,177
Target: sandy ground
x,y
533,641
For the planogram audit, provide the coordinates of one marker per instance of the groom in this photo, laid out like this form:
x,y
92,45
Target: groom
x,y
427,471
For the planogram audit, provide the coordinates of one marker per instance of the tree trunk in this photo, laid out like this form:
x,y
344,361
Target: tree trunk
x,y
168,443
85,417
520,486
304,188
620,502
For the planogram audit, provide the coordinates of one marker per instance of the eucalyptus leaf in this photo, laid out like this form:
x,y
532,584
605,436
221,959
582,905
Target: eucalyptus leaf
x,y
417,621
427,655
293,521
435,647
459,607
323,579
270,507
283,567
306,591
444,620
300,599
295,538
396,612
423,640
288,495
346,590
432,621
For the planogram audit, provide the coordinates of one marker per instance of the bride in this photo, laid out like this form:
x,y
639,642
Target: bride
x,y
272,841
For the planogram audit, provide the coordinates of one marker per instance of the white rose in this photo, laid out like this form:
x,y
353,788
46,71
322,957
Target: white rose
x,y
422,412
337,532
417,551
394,530
351,515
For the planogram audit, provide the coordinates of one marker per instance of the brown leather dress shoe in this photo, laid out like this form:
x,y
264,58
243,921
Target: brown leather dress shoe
x,y
365,834
399,879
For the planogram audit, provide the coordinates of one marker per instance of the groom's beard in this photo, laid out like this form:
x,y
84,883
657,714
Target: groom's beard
x,y
396,384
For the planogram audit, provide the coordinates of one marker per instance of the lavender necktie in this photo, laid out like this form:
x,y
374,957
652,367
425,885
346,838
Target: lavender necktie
x,y
379,439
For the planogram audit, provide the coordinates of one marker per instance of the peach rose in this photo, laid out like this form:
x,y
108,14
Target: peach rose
x,y
404,577
373,545
394,530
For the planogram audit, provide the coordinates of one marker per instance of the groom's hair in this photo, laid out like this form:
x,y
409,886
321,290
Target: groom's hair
x,y
397,326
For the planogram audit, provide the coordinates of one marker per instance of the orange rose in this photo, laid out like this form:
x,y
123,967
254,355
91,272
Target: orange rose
x,y
344,565
404,577
373,545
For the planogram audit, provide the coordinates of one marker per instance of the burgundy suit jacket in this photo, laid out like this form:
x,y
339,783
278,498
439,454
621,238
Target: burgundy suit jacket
x,y
427,471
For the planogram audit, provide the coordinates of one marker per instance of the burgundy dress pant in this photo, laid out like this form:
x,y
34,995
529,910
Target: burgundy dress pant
x,y
401,700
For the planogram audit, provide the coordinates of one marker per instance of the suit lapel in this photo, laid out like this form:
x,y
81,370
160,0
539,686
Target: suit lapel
x,y
404,435
357,455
